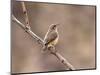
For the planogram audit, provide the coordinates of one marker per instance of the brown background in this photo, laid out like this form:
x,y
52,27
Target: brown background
x,y
76,43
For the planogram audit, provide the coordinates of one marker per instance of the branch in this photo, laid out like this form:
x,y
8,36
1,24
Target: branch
x,y
64,61
39,40
26,15
29,31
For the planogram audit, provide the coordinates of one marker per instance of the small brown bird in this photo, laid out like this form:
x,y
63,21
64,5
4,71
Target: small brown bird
x,y
51,37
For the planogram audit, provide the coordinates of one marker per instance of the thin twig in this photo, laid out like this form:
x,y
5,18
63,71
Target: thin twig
x,y
25,14
39,40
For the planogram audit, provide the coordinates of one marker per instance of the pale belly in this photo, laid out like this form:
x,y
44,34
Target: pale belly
x,y
53,42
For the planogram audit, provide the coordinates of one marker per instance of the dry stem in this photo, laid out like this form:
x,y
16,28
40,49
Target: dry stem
x,y
29,31
64,61
26,15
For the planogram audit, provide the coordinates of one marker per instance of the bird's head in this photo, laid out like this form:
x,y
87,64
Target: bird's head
x,y
54,26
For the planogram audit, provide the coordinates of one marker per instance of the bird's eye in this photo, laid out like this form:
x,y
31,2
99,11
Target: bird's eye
x,y
53,27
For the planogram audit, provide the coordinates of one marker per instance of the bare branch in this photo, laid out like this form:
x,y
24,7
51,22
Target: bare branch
x,y
26,15
64,61
39,40
29,31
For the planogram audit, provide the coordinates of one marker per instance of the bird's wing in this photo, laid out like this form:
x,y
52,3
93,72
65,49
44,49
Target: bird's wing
x,y
50,37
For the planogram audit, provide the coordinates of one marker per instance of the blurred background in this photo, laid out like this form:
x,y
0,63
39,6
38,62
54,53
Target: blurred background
x,y
76,42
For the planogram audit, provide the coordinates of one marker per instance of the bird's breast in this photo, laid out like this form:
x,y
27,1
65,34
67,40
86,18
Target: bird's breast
x,y
54,42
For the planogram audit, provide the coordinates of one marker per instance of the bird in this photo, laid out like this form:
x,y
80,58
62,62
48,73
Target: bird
x,y
51,37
